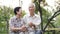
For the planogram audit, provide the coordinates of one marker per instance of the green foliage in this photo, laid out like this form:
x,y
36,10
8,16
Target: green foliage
x,y
57,21
5,13
23,13
45,13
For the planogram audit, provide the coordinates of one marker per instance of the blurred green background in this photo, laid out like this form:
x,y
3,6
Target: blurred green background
x,y
7,12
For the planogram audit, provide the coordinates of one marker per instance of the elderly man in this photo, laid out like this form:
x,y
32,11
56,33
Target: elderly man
x,y
32,20
16,23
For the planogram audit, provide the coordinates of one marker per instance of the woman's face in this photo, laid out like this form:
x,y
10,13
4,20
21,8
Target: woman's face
x,y
19,12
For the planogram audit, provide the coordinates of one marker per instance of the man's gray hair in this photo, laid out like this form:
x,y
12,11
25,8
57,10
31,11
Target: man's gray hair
x,y
32,4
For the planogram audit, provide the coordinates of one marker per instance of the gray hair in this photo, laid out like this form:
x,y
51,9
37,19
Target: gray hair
x,y
32,4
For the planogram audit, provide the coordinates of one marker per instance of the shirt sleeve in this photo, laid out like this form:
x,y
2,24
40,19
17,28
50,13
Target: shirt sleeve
x,y
24,19
37,20
11,23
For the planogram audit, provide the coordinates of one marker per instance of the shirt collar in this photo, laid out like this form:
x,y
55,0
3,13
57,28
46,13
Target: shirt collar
x,y
31,16
16,18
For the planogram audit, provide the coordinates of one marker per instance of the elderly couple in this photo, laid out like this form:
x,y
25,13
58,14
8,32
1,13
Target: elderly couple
x,y
29,24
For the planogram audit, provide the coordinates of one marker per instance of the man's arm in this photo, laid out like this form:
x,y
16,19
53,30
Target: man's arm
x,y
37,20
32,25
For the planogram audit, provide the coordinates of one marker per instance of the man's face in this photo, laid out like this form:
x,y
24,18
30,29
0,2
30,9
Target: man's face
x,y
19,12
31,8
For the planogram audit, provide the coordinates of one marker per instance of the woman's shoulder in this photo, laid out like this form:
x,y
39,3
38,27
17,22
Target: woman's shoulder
x,y
12,18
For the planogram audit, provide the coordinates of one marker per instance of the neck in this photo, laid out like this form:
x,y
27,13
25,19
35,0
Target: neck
x,y
17,16
32,14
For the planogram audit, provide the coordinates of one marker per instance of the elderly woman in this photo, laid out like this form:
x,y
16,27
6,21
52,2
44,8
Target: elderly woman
x,y
16,23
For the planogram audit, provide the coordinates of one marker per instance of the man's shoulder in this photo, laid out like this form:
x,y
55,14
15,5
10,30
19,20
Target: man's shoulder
x,y
37,15
27,15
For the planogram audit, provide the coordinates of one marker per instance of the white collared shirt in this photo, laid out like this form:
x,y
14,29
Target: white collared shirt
x,y
35,19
